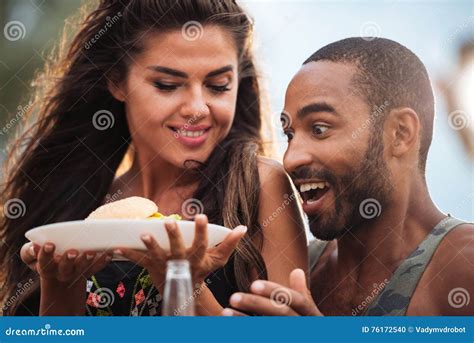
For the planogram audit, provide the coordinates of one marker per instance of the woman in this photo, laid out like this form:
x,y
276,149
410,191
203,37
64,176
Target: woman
x,y
177,81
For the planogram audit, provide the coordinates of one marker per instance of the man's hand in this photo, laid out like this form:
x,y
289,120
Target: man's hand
x,y
271,299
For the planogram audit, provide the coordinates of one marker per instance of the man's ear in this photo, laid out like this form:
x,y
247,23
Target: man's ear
x,y
403,129
116,89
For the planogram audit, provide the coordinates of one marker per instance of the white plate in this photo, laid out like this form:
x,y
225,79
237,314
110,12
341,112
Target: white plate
x,y
103,234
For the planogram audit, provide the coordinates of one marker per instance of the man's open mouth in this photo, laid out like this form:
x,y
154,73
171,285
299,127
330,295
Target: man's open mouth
x,y
313,191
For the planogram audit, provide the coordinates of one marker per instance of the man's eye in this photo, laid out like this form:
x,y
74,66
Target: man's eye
x,y
289,135
219,89
319,129
165,86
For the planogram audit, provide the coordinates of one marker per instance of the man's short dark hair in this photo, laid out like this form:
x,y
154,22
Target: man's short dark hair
x,y
387,72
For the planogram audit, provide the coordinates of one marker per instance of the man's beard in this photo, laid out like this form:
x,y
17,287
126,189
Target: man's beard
x,y
357,194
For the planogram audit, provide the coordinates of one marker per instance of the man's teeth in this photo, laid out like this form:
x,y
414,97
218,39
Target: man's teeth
x,y
191,133
304,187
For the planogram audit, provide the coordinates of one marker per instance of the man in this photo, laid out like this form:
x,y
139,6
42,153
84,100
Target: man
x,y
359,120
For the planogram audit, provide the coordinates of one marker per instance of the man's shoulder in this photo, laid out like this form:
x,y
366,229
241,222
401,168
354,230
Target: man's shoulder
x,y
449,277
457,246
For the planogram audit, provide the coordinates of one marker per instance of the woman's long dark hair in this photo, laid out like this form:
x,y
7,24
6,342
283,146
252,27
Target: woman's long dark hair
x,y
61,168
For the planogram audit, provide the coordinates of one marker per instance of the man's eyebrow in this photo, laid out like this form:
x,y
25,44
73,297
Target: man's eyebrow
x,y
315,108
174,72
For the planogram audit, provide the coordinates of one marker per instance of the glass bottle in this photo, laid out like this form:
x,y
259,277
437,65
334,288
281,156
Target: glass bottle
x,y
178,299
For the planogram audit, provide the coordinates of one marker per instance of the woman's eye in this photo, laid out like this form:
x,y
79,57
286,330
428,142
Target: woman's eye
x,y
219,89
165,86
319,129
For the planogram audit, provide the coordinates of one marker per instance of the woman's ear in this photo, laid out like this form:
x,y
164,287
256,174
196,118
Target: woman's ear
x,y
403,129
116,90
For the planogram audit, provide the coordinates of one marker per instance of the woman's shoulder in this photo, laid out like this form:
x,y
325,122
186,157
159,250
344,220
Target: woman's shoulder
x,y
271,172
281,214
275,184
268,167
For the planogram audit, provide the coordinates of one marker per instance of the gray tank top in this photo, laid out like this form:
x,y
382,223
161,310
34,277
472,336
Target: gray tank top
x,y
395,297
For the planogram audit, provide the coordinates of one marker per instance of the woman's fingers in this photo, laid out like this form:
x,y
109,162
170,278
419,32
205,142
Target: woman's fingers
x,y
225,249
156,252
198,249
83,263
139,257
99,262
177,247
71,266
91,262
66,265
28,254
46,263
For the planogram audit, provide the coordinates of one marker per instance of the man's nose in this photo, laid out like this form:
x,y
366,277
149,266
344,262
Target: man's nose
x,y
297,155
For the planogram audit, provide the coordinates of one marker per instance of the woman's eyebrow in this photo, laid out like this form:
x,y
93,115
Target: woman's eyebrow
x,y
219,71
177,73
168,71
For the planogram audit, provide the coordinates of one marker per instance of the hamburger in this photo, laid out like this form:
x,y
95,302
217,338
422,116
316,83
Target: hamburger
x,y
130,208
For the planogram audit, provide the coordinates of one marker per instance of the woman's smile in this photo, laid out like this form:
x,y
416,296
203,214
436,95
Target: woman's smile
x,y
191,136
174,100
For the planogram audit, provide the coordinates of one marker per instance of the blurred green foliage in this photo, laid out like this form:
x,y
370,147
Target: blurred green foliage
x,y
29,30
